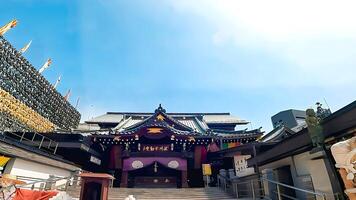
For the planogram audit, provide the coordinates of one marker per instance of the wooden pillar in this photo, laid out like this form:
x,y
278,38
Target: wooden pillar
x,y
197,157
105,190
124,178
184,179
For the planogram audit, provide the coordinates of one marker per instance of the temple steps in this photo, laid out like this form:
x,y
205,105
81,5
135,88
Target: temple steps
x,y
163,193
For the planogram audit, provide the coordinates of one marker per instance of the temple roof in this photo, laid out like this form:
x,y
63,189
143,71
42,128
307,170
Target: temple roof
x,y
220,125
107,118
209,118
281,132
191,122
198,122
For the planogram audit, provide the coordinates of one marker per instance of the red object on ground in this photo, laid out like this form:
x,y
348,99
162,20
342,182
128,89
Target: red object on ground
x,y
23,194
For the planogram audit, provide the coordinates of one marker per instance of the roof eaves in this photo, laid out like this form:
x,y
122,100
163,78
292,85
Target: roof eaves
x,y
340,112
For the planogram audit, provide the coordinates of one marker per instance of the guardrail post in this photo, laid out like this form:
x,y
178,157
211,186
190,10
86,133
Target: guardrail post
x,y
218,181
279,193
225,185
22,136
253,190
49,144
50,183
67,184
55,149
237,191
75,178
41,142
42,185
34,136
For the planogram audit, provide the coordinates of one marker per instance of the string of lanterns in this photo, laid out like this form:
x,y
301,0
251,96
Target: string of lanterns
x,y
20,79
200,141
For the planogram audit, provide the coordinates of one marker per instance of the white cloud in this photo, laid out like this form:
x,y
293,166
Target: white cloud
x,y
277,20
316,37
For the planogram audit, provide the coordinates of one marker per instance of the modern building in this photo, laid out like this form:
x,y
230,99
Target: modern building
x,y
288,118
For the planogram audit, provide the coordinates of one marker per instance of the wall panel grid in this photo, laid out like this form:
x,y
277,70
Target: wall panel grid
x,y
22,81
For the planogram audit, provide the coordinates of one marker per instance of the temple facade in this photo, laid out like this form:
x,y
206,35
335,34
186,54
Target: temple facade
x,y
163,149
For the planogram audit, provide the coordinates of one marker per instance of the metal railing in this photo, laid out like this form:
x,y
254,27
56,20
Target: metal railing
x,y
241,189
35,140
29,138
262,188
52,183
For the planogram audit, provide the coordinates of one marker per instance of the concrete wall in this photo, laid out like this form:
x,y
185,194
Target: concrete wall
x,y
303,168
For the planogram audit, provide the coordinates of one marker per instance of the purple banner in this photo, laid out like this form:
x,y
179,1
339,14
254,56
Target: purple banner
x,y
140,162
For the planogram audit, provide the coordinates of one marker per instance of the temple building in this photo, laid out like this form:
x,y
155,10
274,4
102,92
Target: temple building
x,y
162,149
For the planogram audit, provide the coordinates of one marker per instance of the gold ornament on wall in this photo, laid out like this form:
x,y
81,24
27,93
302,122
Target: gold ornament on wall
x,y
22,113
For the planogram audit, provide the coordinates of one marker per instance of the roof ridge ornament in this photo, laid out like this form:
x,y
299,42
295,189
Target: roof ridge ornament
x,y
160,109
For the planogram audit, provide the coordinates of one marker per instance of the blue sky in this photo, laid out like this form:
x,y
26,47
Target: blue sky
x,y
250,58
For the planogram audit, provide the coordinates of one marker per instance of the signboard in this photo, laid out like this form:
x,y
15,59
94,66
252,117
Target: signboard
x,y
206,169
155,148
241,168
95,160
3,160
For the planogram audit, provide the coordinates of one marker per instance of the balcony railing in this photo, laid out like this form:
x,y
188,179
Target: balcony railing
x,y
32,139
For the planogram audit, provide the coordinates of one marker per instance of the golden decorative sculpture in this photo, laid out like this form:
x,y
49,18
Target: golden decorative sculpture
x,y
191,139
160,117
117,138
154,130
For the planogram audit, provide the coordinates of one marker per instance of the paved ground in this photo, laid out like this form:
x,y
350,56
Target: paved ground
x,y
163,193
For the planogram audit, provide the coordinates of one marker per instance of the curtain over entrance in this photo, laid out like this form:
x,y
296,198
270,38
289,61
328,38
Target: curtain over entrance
x,y
154,172
140,162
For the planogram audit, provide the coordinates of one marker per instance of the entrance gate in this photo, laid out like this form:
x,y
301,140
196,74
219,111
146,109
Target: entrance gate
x,y
154,172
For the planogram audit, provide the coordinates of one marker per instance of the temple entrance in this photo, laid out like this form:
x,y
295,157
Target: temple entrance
x,y
155,175
154,172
